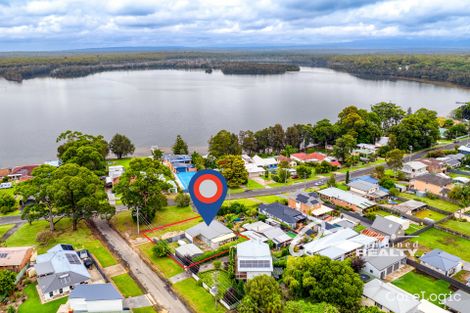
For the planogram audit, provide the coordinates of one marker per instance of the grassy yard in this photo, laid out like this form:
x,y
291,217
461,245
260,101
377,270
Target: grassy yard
x,y
166,265
199,299
221,277
270,199
253,185
127,286
429,214
33,304
463,276
461,227
245,202
82,238
124,224
381,213
359,166
147,309
417,283
5,228
437,203
413,228
433,238
124,162
359,228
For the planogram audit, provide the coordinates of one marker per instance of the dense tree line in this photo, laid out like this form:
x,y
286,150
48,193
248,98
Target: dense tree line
x,y
451,68
405,130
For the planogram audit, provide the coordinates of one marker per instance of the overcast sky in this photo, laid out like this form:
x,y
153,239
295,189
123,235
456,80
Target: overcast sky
x,y
72,24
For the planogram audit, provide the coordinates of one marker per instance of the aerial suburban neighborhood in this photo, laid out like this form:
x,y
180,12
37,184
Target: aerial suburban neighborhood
x,y
392,224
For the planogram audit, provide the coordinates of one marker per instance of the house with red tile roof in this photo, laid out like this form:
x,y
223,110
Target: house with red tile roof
x,y
4,172
22,172
303,157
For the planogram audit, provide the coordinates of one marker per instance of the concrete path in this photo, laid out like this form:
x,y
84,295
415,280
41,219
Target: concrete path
x,y
114,270
137,302
14,219
179,277
156,287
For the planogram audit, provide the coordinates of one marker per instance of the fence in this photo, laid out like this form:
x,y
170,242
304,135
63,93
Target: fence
x,y
453,282
408,216
453,232
460,172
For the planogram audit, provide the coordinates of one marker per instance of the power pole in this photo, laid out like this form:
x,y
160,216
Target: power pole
x,y
138,224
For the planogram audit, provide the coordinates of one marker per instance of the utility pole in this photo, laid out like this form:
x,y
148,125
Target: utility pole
x,y
411,151
138,225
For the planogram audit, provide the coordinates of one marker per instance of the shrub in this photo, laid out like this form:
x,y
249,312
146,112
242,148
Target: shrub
x,y
217,264
161,248
182,200
44,237
7,203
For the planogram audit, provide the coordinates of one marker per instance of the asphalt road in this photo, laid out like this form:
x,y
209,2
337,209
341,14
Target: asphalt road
x,y
156,287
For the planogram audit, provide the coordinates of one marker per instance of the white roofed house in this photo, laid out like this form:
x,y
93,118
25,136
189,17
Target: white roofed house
x,y
414,168
96,298
346,199
214,235
367,189
253,259
388,298
59,271
275,234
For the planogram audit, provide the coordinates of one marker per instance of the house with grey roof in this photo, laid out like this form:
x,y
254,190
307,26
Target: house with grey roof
x,y
414,168
188,250
409,207
437,184
282,213
442,262
387,227
367,189
346,199
96,298
213,235
273,233
59,271
305,202
383,262
253,258
458,302
388,297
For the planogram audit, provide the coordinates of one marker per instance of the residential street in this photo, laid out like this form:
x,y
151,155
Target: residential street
x,y
156,286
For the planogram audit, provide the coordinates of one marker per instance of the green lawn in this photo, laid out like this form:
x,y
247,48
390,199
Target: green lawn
x,y
147,309
124,162
245,202
429,214
232,191
437,203
413,228
253,185
5,228
166,265
416,283
434,238
80,239
124,224
271,199
221,277
461,227
359,166
199,299
33,304
127,286
359,228
381,213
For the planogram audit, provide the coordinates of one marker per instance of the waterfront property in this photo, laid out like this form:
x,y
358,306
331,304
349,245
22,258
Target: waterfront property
x,y
253,259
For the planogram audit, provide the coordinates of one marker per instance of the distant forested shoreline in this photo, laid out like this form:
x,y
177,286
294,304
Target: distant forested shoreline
x,y
449,68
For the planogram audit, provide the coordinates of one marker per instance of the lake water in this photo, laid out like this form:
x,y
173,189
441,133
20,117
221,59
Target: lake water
x,y
152,107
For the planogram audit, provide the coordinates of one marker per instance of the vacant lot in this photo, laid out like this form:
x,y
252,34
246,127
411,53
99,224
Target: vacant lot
x,y
166,265
422,285
437,203
82,238
422,214
199,299
433,238
461,227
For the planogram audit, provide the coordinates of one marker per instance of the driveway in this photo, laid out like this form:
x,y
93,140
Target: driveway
x,y
156,287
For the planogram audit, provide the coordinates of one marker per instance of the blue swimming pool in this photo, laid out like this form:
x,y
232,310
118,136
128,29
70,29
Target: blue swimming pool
x,y
185,178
